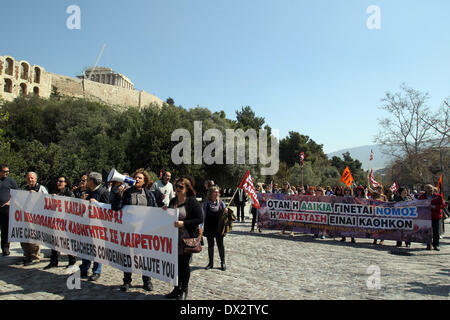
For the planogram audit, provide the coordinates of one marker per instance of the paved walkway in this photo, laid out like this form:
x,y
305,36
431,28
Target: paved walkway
x,y
261,266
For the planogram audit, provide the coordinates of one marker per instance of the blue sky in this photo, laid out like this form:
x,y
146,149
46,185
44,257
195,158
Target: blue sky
x,y
307,66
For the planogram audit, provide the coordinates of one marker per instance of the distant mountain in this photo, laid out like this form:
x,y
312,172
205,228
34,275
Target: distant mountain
x,y
379,161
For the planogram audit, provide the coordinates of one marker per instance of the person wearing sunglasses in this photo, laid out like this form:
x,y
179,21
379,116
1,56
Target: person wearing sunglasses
x,y
82,191
31,251
137,195
63,189
6,184
189,218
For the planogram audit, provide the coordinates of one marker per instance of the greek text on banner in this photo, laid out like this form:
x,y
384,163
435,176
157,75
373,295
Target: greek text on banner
x,y
135,239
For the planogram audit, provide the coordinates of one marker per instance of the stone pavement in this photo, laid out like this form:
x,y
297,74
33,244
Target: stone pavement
x,y
260,266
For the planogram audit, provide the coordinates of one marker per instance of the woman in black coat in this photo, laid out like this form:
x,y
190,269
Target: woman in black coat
x,y
137,195
190,217
213,209
64,189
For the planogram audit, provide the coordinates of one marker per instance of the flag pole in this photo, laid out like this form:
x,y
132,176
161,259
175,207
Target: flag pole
x,y
302,178
232,197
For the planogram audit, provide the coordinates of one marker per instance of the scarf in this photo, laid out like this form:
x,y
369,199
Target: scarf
x,y
214,206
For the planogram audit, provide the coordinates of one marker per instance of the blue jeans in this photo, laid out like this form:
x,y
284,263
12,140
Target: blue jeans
x,y
86,264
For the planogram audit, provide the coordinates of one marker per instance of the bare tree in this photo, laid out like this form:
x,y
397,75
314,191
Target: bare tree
x,y
441,126
440,121
404,134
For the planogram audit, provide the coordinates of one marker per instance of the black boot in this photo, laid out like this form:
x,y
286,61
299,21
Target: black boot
x,y
52,264
209,266
183,293
148,286
175,292
223,266
5,250
125,287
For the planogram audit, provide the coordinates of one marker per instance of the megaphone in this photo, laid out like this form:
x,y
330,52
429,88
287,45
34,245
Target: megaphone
x,y
114,175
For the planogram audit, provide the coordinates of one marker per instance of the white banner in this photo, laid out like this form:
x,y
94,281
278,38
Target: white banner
x,y
135,239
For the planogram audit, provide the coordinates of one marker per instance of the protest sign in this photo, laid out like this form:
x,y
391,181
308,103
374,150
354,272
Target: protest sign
x,y
347,216
135,239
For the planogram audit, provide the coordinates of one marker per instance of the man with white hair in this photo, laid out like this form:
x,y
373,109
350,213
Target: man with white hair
x,y
31,251
97,193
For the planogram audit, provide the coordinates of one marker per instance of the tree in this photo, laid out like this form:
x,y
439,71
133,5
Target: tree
x,y
246,119
354,166
294,143
170,101
417,137
440,121
404,134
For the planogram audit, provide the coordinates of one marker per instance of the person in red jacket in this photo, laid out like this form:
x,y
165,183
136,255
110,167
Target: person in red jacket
x,y
437,204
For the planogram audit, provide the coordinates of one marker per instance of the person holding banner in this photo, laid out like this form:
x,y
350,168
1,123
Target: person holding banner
x,y
213,209
360,192
81,192
286,189
190,216
377,195
97,193
31,251
338,191
6,184
329,191
348,193
389,195
402,196
437,205
63,189
137,195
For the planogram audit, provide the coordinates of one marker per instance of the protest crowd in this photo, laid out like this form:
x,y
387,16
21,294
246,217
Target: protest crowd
x,y
209,217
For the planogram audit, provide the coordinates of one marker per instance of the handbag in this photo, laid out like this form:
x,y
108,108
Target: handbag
x,y
193,245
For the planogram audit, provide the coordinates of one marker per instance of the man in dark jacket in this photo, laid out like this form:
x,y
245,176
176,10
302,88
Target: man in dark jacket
x,y
97,193
240,199
6,184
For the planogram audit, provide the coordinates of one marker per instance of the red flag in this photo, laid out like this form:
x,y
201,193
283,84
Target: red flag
x,y
372,179
302,157
247,185
371,154
394,187
439,187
